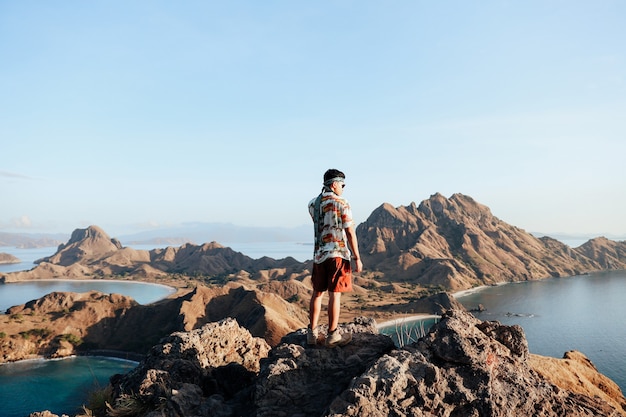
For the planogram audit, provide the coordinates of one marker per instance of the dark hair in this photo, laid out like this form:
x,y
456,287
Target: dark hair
x,y
333,173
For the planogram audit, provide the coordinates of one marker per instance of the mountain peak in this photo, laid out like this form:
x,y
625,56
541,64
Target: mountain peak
x,y
84,245
458,243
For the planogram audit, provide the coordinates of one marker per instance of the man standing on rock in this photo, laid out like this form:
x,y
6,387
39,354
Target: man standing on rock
x,y
335,237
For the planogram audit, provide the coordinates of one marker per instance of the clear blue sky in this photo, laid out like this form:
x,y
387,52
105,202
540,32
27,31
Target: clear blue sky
x,y
135,114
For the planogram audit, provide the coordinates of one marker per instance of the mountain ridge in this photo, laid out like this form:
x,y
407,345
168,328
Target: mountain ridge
x,y
452,243
458,243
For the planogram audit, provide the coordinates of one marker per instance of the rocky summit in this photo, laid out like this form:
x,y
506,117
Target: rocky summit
x,y
462,367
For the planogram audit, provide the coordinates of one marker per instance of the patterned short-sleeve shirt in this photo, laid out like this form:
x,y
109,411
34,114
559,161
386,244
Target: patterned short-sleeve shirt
x,y
336,217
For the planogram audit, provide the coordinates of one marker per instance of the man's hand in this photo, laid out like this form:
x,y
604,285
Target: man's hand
x,y
358,265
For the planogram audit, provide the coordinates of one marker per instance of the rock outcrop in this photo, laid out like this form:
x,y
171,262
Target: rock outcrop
x,y
185,369
457,243
463,367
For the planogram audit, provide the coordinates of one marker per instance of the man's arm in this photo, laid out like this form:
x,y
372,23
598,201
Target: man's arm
x,y
354,248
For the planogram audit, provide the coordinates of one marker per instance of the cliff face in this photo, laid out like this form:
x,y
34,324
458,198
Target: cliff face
x,y
463,367
457,243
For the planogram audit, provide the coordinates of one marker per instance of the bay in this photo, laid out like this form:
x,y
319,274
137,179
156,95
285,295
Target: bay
x,y
16,293
61,386
583,313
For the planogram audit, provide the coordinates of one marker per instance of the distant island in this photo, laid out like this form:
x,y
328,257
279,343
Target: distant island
x,y
7,258
31,240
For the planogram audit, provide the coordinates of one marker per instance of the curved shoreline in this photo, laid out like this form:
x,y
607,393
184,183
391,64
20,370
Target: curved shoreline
x,y
94,354
92,280
143,292
405,320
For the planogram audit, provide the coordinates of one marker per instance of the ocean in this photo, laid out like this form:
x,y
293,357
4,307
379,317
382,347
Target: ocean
x,y
583,313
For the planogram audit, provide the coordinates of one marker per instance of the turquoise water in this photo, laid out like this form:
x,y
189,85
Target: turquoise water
x,y
406,331
17,293
584,313
61,386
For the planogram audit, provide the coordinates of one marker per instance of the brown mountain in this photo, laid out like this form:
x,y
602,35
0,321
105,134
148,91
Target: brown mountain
x,y
457,243
91,252
61,324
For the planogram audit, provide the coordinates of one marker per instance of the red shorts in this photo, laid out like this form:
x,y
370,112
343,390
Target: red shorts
x,y
334,275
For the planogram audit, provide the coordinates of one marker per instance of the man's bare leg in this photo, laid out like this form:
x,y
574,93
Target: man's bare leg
x,y
334,305
334,338
315,307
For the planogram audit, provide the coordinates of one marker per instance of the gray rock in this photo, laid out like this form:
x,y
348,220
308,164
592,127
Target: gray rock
x,y
178,375
463,367
297,380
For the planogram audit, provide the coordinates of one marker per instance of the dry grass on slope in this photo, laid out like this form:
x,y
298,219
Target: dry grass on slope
x,y
576,373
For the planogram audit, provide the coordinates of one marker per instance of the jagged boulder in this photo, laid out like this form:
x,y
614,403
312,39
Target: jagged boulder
x,y
299,380
463,367
185,369
221,370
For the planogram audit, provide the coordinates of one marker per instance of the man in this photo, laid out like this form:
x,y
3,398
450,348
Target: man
x,y
335,237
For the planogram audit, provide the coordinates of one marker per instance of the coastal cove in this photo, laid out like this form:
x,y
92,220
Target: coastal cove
x,y
582,313
61,385
16,293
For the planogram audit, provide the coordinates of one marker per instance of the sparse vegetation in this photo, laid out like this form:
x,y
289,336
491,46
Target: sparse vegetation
x,y
17,317
294,298
127,406
98,401
72,338
42,333
131,405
